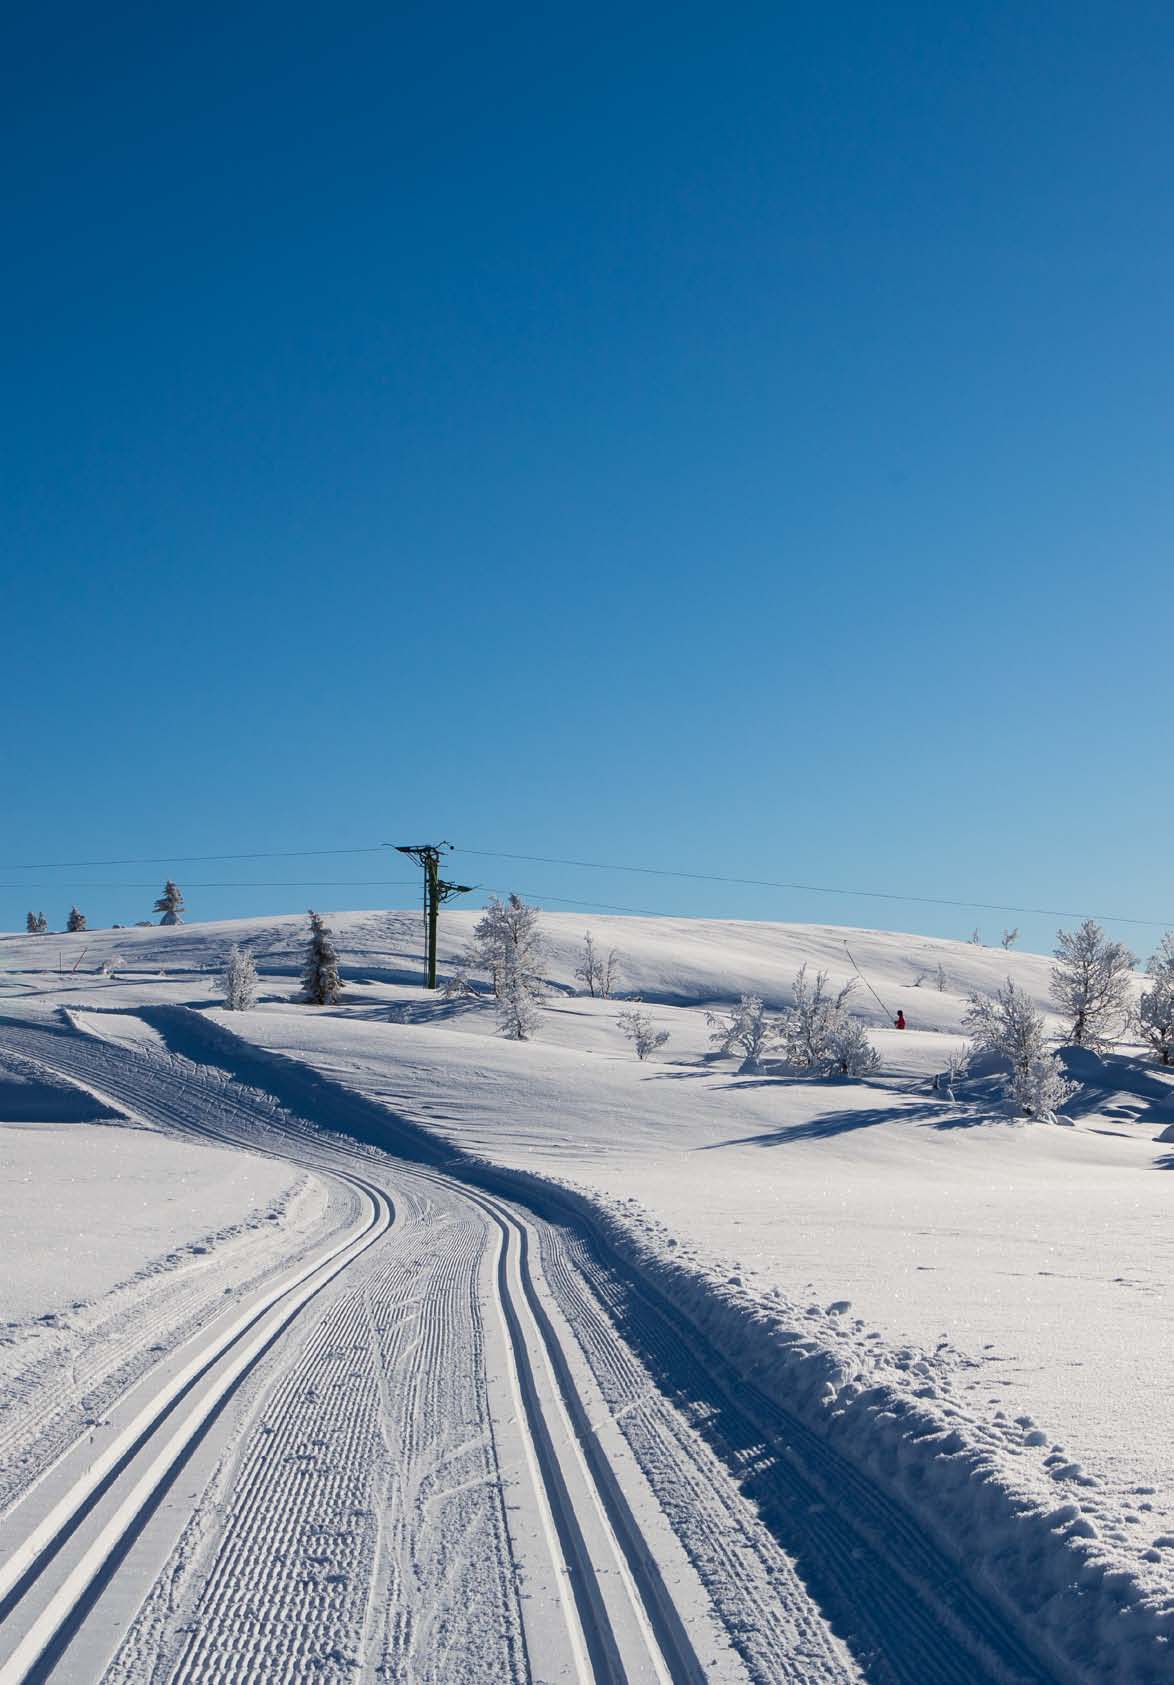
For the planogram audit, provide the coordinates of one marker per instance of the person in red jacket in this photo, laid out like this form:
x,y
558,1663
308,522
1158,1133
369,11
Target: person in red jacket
x,y
899,1021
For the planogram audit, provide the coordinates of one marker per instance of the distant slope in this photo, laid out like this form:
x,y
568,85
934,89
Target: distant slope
x,y
671,960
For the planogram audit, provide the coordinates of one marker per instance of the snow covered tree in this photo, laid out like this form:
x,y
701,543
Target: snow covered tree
x,y
76,921
976,937
1010,937
1154,1018
747,1029
808,1023
820,1037
42,924
1009,1025
240,981
600,972
321,983
940,979
1090,985
506,938
851,1054
641,1032
518,994
458,986
170,904
957,1061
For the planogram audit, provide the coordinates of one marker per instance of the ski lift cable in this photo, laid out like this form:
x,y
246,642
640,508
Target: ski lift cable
x,y
866,983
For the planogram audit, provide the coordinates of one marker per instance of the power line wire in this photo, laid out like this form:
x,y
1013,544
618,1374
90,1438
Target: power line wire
x,y
191,859
229,883
546,860
813,888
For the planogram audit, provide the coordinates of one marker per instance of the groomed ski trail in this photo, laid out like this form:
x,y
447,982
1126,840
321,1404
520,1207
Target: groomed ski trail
x,y
601,1366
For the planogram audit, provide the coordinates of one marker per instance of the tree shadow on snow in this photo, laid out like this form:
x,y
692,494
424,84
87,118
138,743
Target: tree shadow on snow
x,y
831,1124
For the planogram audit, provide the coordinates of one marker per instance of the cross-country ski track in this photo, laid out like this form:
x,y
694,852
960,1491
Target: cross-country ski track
x,y
463,1440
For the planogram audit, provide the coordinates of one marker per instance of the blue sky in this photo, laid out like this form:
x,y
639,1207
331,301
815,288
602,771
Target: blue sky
x,y
736,440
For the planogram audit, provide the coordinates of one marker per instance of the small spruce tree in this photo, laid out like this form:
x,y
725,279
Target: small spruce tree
x,y
170,904
321,983
30,923
76,921
240,981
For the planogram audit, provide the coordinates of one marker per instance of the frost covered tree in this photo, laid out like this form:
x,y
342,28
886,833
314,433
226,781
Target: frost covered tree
x,y
457,986
519,992
506,939
600,972
746,1030
1154,1018
170,904
240,981
940,979
957,1061
976,937
820,1037
851,1054
641,1032
1009,1025
1090,985
1010,937
808,1023
76,921
321,983
42,924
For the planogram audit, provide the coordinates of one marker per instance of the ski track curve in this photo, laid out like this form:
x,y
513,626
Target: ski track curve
x,y
52,1576
704,1440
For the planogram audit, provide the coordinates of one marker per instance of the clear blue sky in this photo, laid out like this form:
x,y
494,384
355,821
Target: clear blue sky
x,y
730,438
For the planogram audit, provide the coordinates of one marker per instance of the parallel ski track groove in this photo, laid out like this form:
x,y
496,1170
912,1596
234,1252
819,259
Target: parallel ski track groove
x,y
167,1315
680,1660
34,1659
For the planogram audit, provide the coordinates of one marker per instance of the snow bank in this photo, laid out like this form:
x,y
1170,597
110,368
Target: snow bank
x,y
29,1094
1098,1619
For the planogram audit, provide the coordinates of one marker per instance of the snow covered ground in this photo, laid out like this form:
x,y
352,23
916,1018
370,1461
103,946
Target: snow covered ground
x,y
977,1311
95,1207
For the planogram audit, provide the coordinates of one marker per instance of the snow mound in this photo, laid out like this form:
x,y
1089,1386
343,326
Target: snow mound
x,y
31,1095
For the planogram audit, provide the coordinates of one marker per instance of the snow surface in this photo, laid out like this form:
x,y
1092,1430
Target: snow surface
x,y
980,1307
93,1207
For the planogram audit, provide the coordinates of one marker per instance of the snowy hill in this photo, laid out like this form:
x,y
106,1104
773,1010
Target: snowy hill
x,y
684,962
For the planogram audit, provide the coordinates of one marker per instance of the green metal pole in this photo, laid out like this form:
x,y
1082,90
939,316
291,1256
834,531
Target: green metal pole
x,y
433,893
